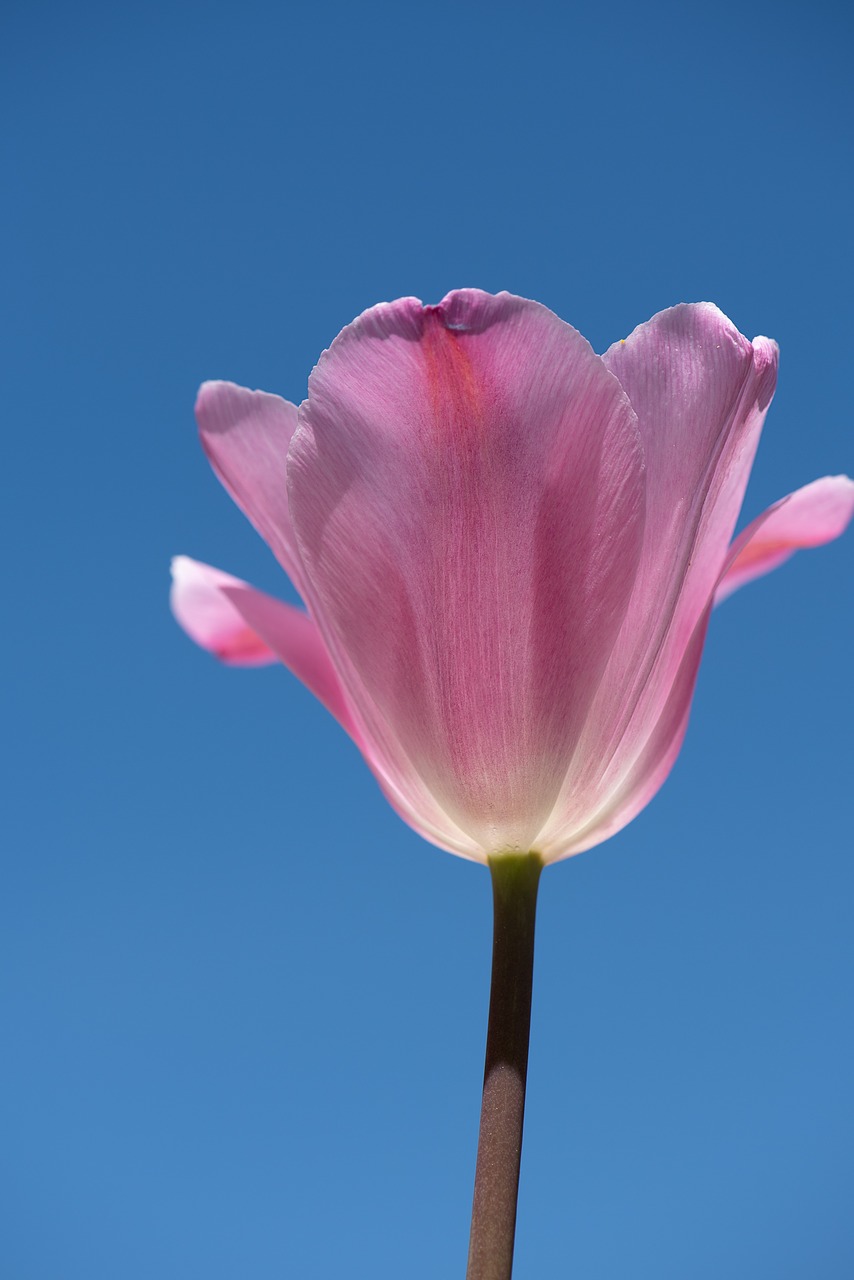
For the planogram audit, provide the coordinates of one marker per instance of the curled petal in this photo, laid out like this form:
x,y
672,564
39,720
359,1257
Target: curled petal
x,y
466,487
809,517
245,627
209,617
700,390
246,435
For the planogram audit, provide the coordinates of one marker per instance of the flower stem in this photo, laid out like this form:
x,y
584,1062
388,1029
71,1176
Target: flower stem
x,y
515,879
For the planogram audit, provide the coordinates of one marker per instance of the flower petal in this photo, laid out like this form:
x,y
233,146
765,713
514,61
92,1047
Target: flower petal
x,y
809,517
813,515
700,391
631,790
246,435
466,487
245,627
210,618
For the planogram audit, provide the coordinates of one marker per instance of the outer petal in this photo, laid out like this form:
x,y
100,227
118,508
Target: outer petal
x,y
246,435
245,627
809,517
228,617
467,491
700,390
209,617
631,792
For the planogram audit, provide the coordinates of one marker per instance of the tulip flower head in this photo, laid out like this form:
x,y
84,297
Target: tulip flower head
x,y
508,547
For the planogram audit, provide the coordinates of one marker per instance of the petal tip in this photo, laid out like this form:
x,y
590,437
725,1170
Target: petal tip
x,y
475,310
208,392
215,406
184,569
703,322
202,606
766,361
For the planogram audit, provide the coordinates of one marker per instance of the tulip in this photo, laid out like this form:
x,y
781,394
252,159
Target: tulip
x,y
508,548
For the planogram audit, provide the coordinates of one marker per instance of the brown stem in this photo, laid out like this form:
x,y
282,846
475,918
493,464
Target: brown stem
x,y
515,879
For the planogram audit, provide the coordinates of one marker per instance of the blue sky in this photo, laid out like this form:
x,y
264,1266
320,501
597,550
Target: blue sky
x,y
243,1005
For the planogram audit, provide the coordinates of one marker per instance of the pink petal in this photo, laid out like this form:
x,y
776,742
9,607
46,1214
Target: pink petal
x,y
210,618
700,391
466,488
628,789
809,517
246,435
245,627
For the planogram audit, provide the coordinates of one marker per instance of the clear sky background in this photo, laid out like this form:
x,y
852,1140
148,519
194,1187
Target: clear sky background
x,y
243,1007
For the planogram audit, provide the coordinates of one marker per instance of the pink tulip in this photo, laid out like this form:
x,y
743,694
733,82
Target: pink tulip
x,y
508,547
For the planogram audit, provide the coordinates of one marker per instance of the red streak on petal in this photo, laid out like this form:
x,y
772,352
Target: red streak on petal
x,y
757,550
455,395
241,644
